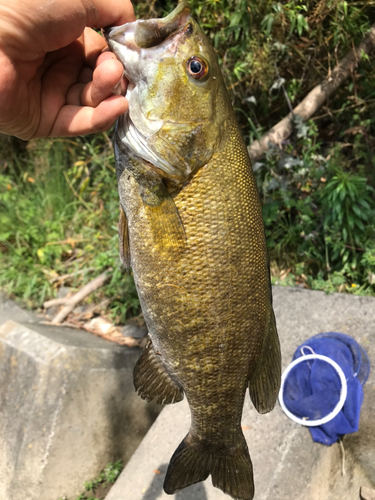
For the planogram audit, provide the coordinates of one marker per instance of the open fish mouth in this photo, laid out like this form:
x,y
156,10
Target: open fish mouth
x,y
144,34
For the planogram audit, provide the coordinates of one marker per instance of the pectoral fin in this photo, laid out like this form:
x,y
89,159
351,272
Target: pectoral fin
x,y
166,225
123,234
264,384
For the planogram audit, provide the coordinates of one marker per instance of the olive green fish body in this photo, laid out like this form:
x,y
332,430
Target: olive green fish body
x,y
208,313
197,249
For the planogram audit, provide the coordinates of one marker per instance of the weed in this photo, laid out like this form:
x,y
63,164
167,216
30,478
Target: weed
x,y
318,215
58,217
106,478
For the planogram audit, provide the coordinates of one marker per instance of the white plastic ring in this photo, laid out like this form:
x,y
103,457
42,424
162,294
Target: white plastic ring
x,y
338,407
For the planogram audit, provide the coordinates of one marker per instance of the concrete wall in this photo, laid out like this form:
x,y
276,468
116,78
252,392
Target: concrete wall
x,y
67,408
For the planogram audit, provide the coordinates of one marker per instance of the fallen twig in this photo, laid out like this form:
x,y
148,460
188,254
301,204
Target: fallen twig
x,y
70,304
315,98
63,277
94,308
55,302
114,335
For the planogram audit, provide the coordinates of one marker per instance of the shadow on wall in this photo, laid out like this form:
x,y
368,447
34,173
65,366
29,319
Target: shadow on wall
x,y
194,492
130,416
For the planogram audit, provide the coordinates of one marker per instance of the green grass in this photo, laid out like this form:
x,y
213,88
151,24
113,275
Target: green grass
x,y
100,486
319,214
59,214
58,218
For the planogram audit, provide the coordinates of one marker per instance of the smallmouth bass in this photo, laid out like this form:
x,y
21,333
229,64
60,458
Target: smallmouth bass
x,y
191,229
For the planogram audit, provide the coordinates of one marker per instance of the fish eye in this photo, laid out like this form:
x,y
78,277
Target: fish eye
x,y
197,67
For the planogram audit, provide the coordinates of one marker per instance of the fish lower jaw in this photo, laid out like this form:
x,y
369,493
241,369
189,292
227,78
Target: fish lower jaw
x,y
124,36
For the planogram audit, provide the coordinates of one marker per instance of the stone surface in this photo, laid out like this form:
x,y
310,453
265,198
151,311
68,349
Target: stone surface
x,y
67,408
287,463
135,331
10,310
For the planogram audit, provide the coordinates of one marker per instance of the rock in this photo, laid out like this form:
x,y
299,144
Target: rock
x,y
63,292
10,310
131,330
51,312
80,309
68,407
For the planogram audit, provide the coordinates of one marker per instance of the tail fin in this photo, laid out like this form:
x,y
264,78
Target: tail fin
x,y
231,468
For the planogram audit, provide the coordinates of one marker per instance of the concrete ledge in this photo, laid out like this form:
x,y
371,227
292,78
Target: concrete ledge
x,y
288,465
67,408
10,310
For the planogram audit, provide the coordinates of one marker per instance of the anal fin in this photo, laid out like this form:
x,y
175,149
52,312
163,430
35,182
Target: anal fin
x,y
123,234
152,380
264,384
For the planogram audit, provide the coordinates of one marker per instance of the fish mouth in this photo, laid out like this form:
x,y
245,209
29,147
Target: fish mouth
x,y
144,34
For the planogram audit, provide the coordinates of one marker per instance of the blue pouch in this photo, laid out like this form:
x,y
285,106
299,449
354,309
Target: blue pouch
x,y
312,388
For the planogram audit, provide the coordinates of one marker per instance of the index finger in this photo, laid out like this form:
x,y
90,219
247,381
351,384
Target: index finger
x,y
102,13
31,28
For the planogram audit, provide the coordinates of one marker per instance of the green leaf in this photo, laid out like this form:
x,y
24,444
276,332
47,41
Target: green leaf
x,y
364,203
267,23
344,6
357,210
302,24
345,256
350,220
359,224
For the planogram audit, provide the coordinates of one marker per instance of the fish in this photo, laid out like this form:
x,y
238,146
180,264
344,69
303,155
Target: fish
x,y
191,231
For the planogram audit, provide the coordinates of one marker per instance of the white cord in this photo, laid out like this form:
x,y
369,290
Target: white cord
x,y
338,407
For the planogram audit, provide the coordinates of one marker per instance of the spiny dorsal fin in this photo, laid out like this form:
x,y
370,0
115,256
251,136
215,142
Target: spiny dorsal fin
x,y
123,234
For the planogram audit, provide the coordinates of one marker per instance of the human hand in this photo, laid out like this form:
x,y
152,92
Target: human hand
x,y
54,78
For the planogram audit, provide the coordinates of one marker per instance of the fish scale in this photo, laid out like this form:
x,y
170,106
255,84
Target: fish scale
x,y
197,249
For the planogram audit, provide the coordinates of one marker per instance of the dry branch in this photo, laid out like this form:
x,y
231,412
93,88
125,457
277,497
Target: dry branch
x,y
315,98
64,277
55,302
71,303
